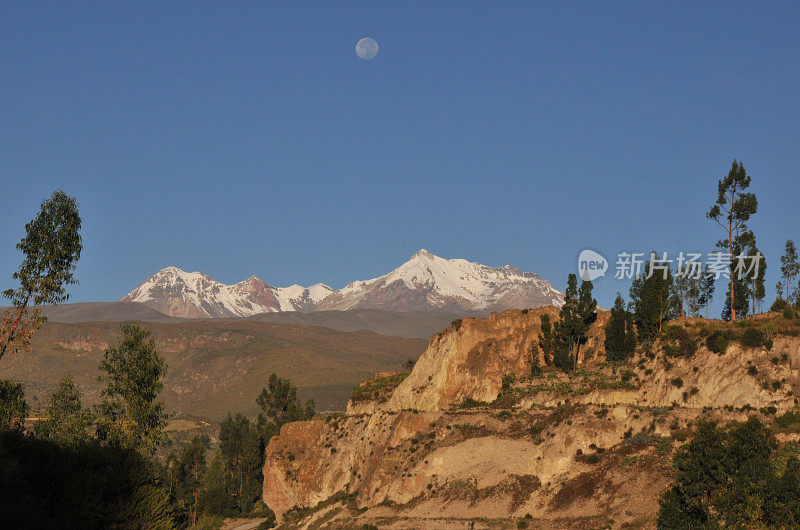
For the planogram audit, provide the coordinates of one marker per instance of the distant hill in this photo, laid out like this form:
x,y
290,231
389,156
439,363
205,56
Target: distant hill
x,y
217,366
412,324
104,312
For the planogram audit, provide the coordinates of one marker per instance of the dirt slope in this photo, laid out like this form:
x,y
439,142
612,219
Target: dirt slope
x,y
451,446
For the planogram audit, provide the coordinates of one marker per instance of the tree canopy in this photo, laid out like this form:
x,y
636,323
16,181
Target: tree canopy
x,y
51,249
561,343
130,413
733,208
729,478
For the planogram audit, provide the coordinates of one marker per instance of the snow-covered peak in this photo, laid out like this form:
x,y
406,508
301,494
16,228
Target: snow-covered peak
x,y
422,254
197,295
299,298
175,275
438,282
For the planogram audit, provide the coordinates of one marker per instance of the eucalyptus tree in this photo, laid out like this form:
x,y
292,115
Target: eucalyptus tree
x,y
51,249
731,211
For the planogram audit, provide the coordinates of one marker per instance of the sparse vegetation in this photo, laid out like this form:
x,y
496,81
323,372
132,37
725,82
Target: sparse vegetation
x,y
379,388
470,403
752,338
717,342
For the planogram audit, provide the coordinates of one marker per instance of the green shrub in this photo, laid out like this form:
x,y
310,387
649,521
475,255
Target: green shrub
x,y
627,434
752,338
717,342
752,370
789,313
13,407
779,305
681,435
470,403
377,389
788,418
679,342
728,478
678,382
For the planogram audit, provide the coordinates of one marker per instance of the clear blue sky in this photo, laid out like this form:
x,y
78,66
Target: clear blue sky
x,y
242,138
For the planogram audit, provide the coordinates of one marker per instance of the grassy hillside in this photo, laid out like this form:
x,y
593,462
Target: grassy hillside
x,y
216,367
415,324
412,324
104,312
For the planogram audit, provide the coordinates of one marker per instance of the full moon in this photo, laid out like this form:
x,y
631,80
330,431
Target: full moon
x,y
366,48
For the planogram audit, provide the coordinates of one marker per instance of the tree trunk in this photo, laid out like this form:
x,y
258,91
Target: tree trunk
x,y
24,308
194,508
730,248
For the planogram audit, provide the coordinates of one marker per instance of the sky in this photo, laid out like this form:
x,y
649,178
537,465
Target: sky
x,y
241,138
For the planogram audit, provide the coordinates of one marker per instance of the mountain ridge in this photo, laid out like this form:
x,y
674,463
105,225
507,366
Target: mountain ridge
x,y
178,293
423,283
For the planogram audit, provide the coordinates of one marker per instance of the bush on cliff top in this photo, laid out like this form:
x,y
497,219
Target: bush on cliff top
x,y
717,342
752,338
378,388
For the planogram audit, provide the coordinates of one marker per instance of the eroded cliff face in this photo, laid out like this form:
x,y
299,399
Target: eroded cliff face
x,y
470,359
451,446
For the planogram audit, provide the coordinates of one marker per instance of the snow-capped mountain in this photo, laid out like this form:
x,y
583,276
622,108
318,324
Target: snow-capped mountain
x,y
197,295
299,298
424,283
428,282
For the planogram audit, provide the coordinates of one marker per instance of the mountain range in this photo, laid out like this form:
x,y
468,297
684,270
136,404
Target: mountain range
x,y
424,283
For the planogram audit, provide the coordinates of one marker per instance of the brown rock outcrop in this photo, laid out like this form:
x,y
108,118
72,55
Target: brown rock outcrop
x,y
470,359
571,450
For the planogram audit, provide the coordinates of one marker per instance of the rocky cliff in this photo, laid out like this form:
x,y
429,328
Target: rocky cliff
x,y
476,435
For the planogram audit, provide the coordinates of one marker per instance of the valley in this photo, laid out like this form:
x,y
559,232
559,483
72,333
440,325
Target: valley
x,y
216,367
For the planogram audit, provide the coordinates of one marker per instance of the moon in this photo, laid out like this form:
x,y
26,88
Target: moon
x,y
366,48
